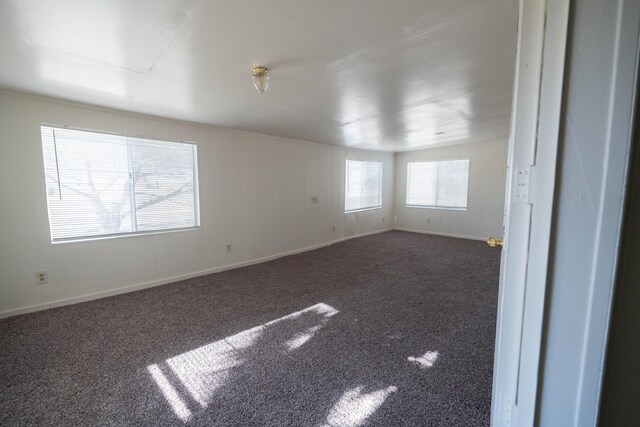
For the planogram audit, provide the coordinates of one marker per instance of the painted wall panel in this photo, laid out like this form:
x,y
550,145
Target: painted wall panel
x,y
485,204
254,194
594,144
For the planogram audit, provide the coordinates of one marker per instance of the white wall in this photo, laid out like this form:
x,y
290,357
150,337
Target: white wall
x,y
254,193
487,174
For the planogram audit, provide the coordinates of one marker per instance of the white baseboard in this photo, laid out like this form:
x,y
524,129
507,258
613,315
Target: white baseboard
x,y
159,282
435,233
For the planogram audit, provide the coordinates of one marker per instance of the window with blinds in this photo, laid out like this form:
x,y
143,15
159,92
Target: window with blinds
x,y
102,184
363,185
442,184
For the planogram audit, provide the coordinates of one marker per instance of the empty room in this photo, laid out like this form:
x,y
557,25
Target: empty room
x,y
341,214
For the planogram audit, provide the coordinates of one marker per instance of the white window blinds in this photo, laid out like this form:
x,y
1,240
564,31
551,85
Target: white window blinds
x,y
101,184
363,185
441,184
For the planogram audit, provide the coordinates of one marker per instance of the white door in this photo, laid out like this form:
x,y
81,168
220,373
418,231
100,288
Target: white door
x,y
533,141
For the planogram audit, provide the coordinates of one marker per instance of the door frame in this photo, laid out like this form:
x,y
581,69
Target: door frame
x,y
533,147
530,189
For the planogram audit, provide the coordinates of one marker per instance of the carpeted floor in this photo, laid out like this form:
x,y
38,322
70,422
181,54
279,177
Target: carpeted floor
x,y
395,329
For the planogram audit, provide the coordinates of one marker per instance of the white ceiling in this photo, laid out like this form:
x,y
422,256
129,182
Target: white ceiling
x,y
376,74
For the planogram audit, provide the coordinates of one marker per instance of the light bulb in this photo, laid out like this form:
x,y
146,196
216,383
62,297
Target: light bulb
x,y
260,78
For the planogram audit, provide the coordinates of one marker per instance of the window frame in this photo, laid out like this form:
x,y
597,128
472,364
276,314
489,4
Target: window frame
x,y
381,181
447,208
96,237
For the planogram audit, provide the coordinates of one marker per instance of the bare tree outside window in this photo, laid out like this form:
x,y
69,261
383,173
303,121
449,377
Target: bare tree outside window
x,y
101,184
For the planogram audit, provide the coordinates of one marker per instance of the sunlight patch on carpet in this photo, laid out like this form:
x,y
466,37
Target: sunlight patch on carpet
x,y
426,360
300,339
203,371
355,406
170,393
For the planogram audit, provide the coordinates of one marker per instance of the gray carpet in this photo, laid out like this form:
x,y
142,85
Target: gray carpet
x,y
395,329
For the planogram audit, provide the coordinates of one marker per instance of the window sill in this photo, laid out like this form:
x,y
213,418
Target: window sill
x,y
123,235
436,207
363,210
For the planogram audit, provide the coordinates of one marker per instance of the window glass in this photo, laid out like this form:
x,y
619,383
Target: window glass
x,y
442,184
100,184
363,185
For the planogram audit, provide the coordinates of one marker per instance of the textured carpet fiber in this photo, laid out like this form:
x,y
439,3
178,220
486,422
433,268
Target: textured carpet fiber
x,y
385,330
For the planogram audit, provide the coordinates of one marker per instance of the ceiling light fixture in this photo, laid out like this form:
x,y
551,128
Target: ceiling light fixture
x,y
260,78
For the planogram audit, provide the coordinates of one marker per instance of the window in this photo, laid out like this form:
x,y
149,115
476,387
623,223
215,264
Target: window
x,y
103,185
363,186
438,184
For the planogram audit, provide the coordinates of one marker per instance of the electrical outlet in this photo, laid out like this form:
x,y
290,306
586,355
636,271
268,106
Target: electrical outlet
x,y
229,248
314,200
333,229
42,277
382,219
428,220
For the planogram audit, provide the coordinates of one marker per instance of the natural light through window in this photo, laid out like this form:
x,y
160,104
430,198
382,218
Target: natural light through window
x,y
363,185
102,184
190,381
442,184
169,392
356,405
426,360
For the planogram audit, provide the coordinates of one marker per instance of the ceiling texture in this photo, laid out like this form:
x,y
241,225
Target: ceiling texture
x,y
373,74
